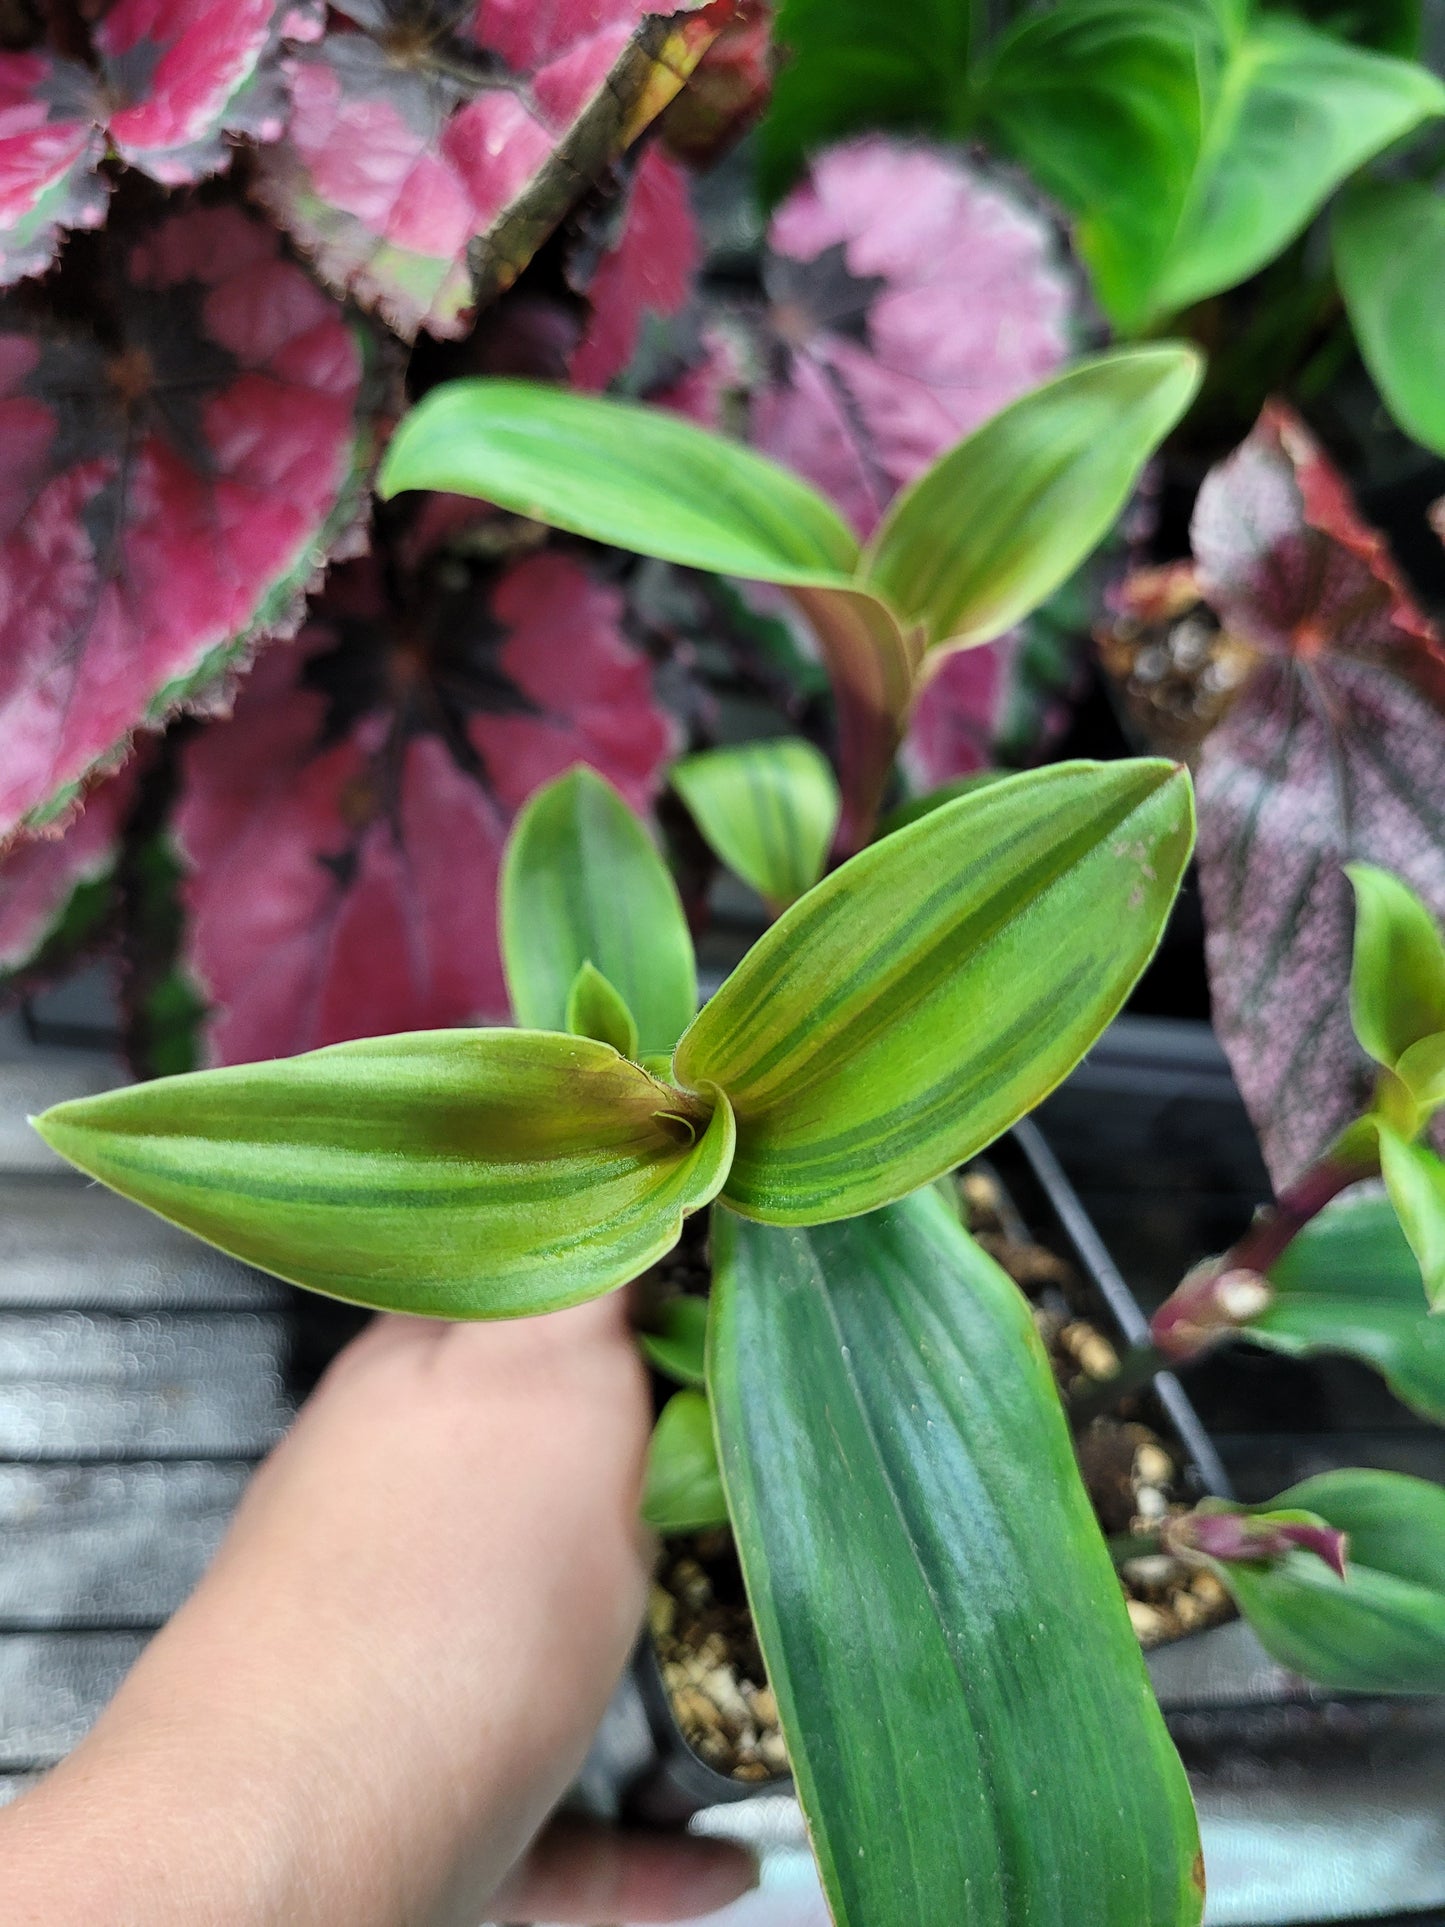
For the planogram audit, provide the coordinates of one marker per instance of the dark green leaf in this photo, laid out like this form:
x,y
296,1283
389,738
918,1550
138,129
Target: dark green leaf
x,y
683,1488
1349,1282
1389,245
678,1350
972,1732
638,478
1193,144
998,523
854,65
939,985
1382,1628
1397,981
461,1174
1415,1179
767,810
583,883
594,1009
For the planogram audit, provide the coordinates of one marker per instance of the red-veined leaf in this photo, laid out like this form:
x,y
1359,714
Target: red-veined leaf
x,y
168,491
435,146
344,830
1333,751
912,297
55,891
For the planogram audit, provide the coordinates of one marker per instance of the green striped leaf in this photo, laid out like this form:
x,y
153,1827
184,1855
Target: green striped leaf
x,y
1349,1282
767,810
938,985
682,1489
637,478
582,882
968,1717
1002,520
1389,248
1382,1628
461,1174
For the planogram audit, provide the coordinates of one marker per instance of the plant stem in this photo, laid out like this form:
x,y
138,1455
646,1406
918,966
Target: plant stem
x,y
1274,1229
1124,1546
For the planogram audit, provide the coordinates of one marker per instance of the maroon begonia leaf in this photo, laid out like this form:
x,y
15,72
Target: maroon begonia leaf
x,y
341,833
179,76
167,492
435,145
1334,751
911,298
55,891
957,718
176,81
649,269
49,148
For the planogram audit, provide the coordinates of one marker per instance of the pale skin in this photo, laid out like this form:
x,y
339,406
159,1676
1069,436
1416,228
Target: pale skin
x,y
383,1685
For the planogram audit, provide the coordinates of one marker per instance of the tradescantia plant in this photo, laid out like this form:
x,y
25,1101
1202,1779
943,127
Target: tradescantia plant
x,y
894,1457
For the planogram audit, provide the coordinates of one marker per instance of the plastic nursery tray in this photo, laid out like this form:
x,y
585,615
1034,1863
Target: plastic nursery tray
x,y
678,1782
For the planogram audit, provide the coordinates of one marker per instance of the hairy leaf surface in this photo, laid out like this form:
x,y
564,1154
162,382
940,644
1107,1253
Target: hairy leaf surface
x,y
435,146
1349,1282
170,493
457,1174
1382,1628
971,1741
937,986
583,883
1333,752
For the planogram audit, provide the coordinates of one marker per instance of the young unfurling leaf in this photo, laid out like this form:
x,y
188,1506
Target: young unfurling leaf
x,y
596,1010
1415,1179
1378,1629
583,883
767,810
1397,983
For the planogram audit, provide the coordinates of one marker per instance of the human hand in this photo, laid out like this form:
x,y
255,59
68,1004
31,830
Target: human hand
x,y
393,1668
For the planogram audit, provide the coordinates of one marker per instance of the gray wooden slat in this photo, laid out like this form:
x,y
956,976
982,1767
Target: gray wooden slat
x,y
66,1242
117,1544
53,1686
34,1081
92,1385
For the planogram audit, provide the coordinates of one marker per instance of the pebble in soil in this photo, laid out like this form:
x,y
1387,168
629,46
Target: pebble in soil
x,y
706,1645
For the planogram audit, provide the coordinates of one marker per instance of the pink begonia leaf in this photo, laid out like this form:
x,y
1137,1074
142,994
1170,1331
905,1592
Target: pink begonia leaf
x,y
957,719
912,297
167,493
1334,751
342,832
177,79
54,890
648,267
434,146
180,76
49,148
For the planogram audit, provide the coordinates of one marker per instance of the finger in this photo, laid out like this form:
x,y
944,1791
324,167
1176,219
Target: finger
x,y
579,1874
